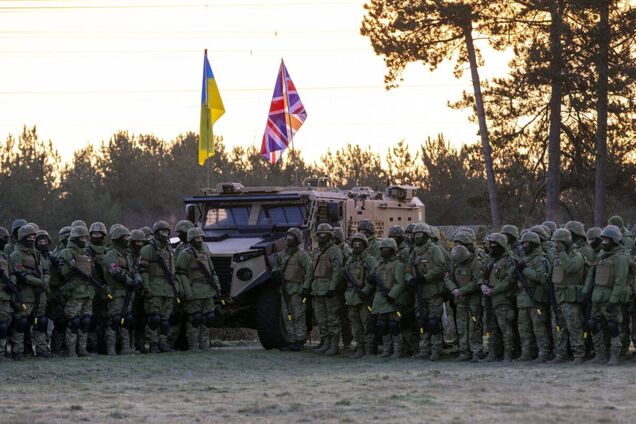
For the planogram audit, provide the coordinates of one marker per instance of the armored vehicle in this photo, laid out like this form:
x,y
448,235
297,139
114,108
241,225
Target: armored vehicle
x,y
245,230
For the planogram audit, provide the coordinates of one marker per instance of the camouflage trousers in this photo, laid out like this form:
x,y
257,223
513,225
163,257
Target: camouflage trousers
x,y
296,310
39,336
161,306
358,317
113,325
345,323
603,317
72,309
432,341
502,328
55,312
327,311
533,325
6,312
410,333
570,334
198,335
470,328
176,317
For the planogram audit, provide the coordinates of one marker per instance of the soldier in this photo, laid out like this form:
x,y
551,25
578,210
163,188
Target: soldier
x,y
567,277
532,299
122,279
6,311
546,245
463,282
512,234
147,232
157,267
358,293
137,241
389,281
181,229
426,268
608,288
178,313
31,273
594,240
345,325
295,269
408,321
551,226
628,237
408,231
339,240
397,233
17,224
325,276
367,227
55,306
200,284
579,241
79,223
499,287
97,250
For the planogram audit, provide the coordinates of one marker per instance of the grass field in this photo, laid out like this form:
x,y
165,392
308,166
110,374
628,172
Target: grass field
x,y
248,384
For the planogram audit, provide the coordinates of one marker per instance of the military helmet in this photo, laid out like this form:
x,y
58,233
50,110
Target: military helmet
x,y
112,227
3,233
575,228
338,234
366,225
593,233
531,237
42,233
409,228
552,226
119,232
17,224
34,225
298,235
146,230
160,225
98,227
421,228
459,254
26,231
510,230
498,238
324,228
397,231
541,231
361,237
562,234
137,235
183,226
64,233
389,243
613,233
78,231
464,237
617,221
79,223
194,232
434,232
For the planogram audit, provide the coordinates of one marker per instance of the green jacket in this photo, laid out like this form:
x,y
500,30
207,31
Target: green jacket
x,y
466,277
608,281
427,260
5,294
30,271
295,264
568,276
193,268
75,287
326,264
155,282
549,250
502,280
536,274
393,274
118,264
360,267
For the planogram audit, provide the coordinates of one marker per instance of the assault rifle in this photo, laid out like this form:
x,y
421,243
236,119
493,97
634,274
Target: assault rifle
x,y
553,300
419,300
376,280
525,285
128,297
355,285
167,273
487,299
86,277
587,302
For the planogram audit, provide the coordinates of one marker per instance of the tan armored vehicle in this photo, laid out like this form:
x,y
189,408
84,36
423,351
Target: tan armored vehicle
x,y
245,230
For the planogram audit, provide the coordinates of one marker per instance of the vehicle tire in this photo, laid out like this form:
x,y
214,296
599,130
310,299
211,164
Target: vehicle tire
x,y
269,319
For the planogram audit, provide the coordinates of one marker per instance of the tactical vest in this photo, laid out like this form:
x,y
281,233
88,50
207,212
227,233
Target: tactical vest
x,y
421,261
194,270
124,264
155,270
387,273
358,271
324,267
561,279
293,271
604,276
83,262
462,275
30,265
498,272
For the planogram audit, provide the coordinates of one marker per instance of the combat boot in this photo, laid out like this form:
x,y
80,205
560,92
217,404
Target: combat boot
x,y
435,356
542,358
165,347
333,349
325,346
614,358
491,357
422,354
598,359
154,348
463,357
386,346
525,357
320,345
358,353
507,355
111,341
559,360
397,347
577,361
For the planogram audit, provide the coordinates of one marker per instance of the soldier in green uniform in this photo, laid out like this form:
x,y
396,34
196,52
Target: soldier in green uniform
x,y
514,246
499,285
200,285
6,311
325,276
546,244
532,300
358,293
31,273
15,226
608,286
147,233
157,268
463,281
367,227
97,250
567,277
551,226
181,229
137,241
389,280
79,223
426,270
55,306
594,240
122,279
345,325
295,268
178,312
628,237
397,233
408,234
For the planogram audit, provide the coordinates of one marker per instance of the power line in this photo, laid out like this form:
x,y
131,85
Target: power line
x,y
37,8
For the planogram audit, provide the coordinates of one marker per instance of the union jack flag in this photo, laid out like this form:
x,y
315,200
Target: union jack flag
x,y
286,116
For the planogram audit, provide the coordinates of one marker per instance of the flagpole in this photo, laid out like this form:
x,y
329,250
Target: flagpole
x,y
288,118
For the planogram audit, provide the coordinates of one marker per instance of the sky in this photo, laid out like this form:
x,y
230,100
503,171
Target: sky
x,y
81,70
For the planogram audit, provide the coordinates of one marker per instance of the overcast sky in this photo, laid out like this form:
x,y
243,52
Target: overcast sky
x,y
81,70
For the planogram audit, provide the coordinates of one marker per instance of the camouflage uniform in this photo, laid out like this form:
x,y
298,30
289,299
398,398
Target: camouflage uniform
x,y
55,306
408,322
97,251
6,311
137,237
17,224
345,324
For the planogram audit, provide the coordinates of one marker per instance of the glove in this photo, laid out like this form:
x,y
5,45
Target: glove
x,y
330,293
306,293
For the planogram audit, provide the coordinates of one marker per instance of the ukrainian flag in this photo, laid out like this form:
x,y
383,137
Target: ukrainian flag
x,y
211,110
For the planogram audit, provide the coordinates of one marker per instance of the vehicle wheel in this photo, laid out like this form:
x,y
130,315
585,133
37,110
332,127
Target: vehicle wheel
x,y
269,319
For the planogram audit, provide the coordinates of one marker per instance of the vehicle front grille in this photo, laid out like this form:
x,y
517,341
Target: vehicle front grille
x,y
223,268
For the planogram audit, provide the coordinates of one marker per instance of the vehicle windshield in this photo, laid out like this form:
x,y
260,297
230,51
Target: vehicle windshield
x,y
255,214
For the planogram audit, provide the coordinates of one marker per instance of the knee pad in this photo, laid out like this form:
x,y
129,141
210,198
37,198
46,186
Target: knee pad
x,y
115,322
613,328
153,320
43,323
129,321
74,324
394,327
4,329
434,326
383,326
164,327
175,318
209,319
85,323
196,319
592,324
21,324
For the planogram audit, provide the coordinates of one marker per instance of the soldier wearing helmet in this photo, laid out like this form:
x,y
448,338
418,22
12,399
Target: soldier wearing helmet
x,y
609,289
367,227
628,237
426,271
410,335
157,268
463,281
201,285
6,311
96,248
137,241
389,280
408,231
358,293
181,229
55,305
512,234
499,286
148,233
397,233
31,274
15,226
345,325
551,226
532,299
339,240
547,246
568,279
322,287
294,265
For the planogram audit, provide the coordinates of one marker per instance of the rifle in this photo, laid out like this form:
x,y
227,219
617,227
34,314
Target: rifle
x,y
278,276
526,286
588,304
379,283
210,277
12,289
127,298
86,277
553,301
167,273
354,284
38,295
487,299
419,282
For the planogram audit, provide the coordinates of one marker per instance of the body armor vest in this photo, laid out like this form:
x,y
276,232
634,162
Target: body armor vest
x,y
323,267
155,269
462,275
194,271
293,273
